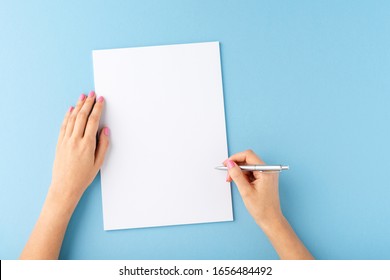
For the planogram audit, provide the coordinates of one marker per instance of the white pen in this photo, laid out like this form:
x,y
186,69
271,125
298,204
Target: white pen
x,y
258,167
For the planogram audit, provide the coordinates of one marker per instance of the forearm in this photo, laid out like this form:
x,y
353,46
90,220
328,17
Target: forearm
x,y
46,239
285,241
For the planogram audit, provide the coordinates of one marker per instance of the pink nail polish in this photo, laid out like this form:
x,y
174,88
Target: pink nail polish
x,y
106,131
100,99
91,94
71,109
230,164
82,97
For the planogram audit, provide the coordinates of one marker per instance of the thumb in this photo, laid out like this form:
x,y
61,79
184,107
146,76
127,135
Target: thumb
x,y
102,146
238,177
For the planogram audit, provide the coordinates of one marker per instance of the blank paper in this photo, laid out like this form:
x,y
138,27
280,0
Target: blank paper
x,y
165,110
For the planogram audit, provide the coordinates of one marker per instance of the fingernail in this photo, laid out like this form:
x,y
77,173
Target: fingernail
x,y
100,99
91,94
82,97
71,108
230,164
224,162
106,131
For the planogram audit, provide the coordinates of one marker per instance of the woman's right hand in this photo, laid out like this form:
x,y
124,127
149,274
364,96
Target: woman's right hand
x,y
259,190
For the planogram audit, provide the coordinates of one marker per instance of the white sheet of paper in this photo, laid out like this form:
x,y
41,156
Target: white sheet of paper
x,y
165,110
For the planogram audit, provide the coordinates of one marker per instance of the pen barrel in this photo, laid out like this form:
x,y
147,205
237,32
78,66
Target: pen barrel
x,y
258,167
268,167
264,168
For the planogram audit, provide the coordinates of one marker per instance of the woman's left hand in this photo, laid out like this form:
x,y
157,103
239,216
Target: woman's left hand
x,y
78,155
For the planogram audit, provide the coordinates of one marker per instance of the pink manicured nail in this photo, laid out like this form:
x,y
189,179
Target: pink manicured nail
x,y
100,99
230,164
82,97
106,131
71,108
91,94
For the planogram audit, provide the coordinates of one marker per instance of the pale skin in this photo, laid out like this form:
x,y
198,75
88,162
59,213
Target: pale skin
x,y
260,193
78,160
79,157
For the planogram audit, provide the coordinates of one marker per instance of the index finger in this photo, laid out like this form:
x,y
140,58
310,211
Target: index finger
x,y
247,157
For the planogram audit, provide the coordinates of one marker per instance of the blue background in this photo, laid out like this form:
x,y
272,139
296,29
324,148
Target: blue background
x,y
306,83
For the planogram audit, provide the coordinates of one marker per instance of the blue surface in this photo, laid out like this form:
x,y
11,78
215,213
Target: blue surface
x,y
306,83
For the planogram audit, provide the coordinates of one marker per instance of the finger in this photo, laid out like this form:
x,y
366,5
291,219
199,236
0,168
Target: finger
x,y
82,116
94,118
102,147
228,178
73,116
244,187
247,174
64,124
247,157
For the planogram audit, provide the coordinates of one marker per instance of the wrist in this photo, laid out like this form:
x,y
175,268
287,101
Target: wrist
x,y
271,222
57,210
58,198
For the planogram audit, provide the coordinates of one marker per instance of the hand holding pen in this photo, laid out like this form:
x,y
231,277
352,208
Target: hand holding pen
x,y
260,193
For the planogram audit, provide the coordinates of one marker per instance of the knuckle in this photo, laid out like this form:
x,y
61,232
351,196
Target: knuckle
x,y
93,118
103,144
99,162
250,151
234,173
82,115
63,127
90,140
106,143
73,143
72,118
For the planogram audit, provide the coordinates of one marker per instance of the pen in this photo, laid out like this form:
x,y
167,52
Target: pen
x,y
258,167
